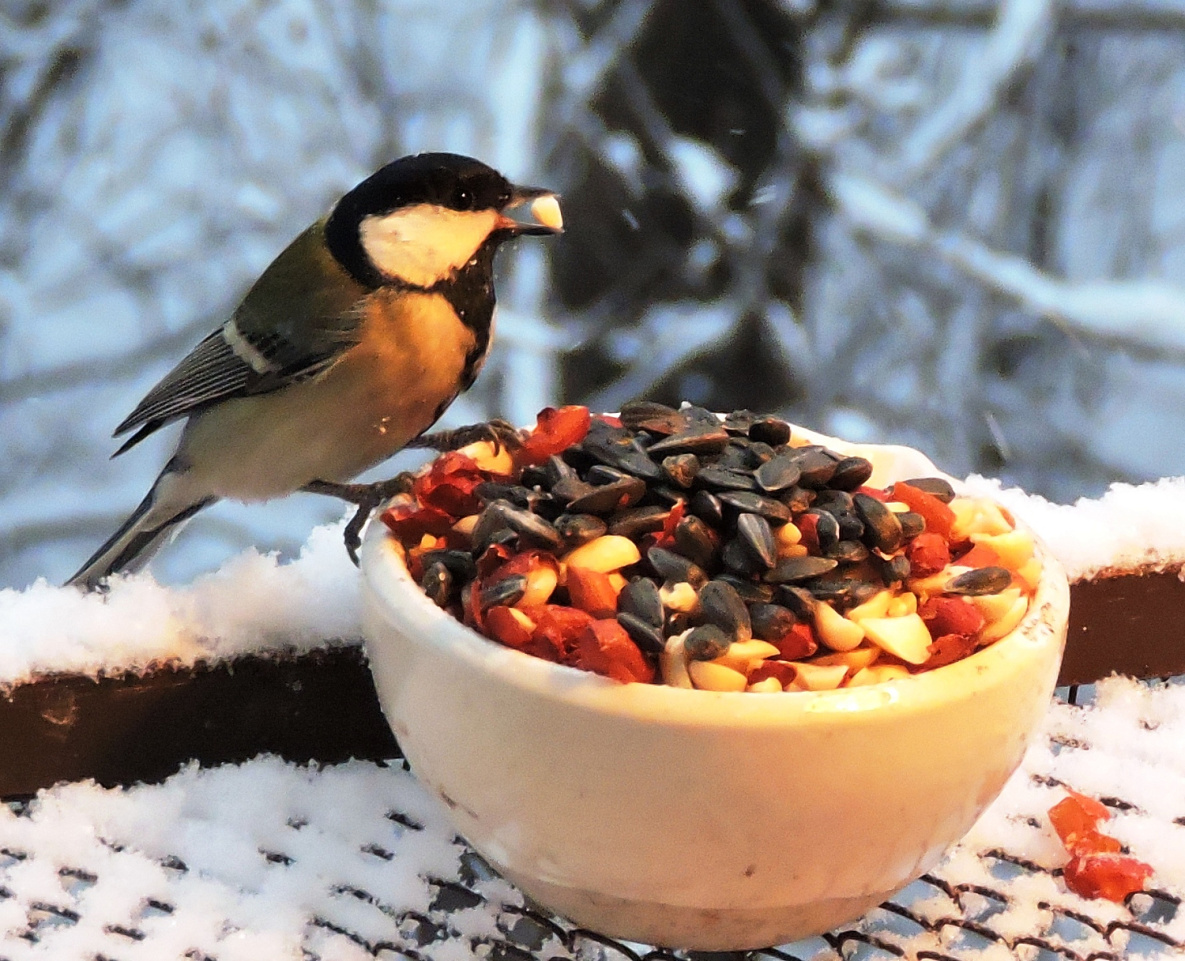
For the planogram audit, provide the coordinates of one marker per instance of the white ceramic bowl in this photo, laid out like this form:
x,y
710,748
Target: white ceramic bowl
x,y
694,819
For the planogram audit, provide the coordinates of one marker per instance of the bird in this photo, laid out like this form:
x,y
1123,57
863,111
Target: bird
x,y
345,350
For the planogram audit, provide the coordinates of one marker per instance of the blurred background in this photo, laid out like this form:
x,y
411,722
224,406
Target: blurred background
x,y
955,224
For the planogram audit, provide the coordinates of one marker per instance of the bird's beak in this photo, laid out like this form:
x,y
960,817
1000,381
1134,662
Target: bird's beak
x,y
532,210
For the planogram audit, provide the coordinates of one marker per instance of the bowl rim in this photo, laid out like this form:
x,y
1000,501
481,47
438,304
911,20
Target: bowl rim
x,y
390,589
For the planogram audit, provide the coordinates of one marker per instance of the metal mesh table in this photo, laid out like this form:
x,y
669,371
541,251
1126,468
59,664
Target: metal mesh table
x,y
351,861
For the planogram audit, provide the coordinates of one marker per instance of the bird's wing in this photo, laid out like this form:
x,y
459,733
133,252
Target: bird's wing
x,y
295,322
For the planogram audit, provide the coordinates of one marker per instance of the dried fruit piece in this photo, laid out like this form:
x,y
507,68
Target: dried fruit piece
x,y
592,591
938,516
555,431
1107,875
605,647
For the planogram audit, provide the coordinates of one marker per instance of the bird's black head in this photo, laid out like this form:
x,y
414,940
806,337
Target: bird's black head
x,y
420,219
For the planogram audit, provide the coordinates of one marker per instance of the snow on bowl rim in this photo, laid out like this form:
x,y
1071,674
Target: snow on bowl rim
x,y
536,761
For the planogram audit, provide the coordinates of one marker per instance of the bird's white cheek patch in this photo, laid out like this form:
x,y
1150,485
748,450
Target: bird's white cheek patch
x,y
423,244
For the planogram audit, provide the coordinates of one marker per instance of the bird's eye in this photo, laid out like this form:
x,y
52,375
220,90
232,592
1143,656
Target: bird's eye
x,y
463,199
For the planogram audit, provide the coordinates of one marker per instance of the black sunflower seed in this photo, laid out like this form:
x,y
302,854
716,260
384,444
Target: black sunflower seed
x,y
798,600
882,529
754,531
912,524
794,570
778,473
707,507
934,485
640,598
701,439
895,569
618,447
653,417
490,522
555,469
460,564
850,473
720,604
647,636
738,557
706,642
532,528
437,583
771,622
815,464
696,541
753,503
752,592
826,528
770,430
681,469
635,522
608,498
848,552
738,422
982,580
675,567
507,590
577,529
718,478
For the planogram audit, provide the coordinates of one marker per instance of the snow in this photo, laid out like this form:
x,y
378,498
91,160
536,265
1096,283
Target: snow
x,y
252,603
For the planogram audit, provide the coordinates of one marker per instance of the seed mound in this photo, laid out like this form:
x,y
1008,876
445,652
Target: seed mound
x,y
676,546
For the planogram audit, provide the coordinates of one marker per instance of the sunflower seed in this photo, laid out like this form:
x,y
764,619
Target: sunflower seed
x,y
609,497
770,430
507,591
702,439
982,580
752,592
778,473
675,567
725,478
653,417
756,534
752,503
720,604
532,528
882,529
848,552
638,521
437,583
696,541
681,469
912,524
647,636
934,485
707,507
640,599
815,464
850,473
706,642
793,570
577,529
770,622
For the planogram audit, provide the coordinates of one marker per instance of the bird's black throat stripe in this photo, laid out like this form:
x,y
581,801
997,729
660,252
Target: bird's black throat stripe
x,y
470,292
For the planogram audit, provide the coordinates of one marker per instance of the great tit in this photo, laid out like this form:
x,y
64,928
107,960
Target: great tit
x,y
349,346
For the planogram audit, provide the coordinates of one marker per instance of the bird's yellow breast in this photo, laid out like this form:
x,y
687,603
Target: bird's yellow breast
x,y
386,390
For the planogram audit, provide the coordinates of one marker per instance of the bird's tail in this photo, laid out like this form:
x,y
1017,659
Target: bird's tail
x,y
159,516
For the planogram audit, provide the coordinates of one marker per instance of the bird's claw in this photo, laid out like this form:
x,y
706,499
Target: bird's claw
x,y
367,497
500,433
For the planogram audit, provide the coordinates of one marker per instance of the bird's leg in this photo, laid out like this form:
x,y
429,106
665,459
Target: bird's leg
x,y
367,497
497,432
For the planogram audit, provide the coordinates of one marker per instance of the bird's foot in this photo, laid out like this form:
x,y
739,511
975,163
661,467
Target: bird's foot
x,y
367,497
497,432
